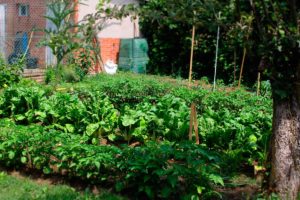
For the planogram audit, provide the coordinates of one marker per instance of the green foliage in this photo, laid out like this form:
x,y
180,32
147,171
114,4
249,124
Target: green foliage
x,y
9,74
278,43
138,110
177,169
58,39
50,75
156,170
89,130
173,21
265,89
230,123
67,74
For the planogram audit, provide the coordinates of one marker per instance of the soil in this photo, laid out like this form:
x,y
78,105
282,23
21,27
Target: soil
x,y
241,192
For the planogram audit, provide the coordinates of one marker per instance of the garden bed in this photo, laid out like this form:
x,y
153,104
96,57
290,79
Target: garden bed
x,y
130,133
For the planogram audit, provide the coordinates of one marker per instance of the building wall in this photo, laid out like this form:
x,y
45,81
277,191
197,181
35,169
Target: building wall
x,y
109,37
114,30
16,23
110,49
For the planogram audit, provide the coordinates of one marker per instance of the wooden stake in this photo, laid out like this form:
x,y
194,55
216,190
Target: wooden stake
x,y
28,45
191,123
244,54
242,67
258,84
194,124
234,66
192,55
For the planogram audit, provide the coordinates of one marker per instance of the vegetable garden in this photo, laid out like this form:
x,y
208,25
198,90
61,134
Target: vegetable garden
x,y
130,133
154,137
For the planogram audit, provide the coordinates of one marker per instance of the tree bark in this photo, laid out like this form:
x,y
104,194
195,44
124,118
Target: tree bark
x,y
285,149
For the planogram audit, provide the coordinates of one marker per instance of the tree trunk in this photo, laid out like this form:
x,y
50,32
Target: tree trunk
x,y
285,152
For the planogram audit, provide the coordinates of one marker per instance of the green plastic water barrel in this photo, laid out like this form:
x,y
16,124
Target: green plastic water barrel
x,y
133,55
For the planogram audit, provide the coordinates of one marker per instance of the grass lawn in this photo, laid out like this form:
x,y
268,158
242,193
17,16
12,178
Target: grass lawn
x,y
21,188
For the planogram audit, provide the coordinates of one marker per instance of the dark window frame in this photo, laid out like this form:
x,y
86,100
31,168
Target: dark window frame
x,y
23,10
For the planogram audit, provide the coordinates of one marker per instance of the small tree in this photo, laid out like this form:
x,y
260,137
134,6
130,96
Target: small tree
x,y
61,39
276,38
278,28
67,36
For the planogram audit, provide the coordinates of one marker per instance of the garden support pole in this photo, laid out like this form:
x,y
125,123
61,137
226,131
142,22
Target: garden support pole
x,y
216,59
28,45
234,66
258,84
194,124
242,67
192,55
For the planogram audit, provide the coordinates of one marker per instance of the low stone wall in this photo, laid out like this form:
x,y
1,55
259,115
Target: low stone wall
x,y
35,74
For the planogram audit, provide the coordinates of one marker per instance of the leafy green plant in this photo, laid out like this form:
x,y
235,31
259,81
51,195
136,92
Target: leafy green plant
x,y
9,74
167,170
156,170
136,109
50,75
58,39
265,89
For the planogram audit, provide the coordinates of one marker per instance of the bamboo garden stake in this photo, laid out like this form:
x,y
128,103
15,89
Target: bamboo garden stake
x,y
192,55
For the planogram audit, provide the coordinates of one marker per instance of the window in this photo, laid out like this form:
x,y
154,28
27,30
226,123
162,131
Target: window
x,y
23,9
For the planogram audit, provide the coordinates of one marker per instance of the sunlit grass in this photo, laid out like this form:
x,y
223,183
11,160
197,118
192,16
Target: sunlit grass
x,y
15,188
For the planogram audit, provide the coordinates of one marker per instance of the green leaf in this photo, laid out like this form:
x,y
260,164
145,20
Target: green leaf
x,y
11,155
91,129
128,120
41,114
95,141
252,139
172,180
97,165
112,137
70,128
89,175
46,170
200,189
19,117
23,160
216,179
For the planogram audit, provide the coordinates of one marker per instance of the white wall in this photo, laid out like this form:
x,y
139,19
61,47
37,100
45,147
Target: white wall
x,y
113,28
2,30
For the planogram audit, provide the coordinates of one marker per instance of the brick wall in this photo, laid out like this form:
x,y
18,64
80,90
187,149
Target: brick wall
x,y
16,23
37,11
110,49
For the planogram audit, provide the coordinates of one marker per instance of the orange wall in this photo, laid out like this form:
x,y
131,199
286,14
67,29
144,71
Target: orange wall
x,y
109,49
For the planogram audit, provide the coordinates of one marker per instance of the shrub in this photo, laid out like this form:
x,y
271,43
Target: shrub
x,y
68,74
9,73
